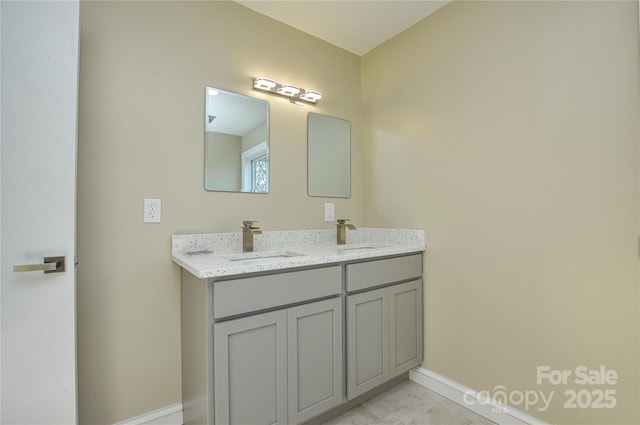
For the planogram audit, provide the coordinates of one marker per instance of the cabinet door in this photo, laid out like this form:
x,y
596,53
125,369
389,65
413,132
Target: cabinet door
x,y
250,381
405,326
367,341
315,358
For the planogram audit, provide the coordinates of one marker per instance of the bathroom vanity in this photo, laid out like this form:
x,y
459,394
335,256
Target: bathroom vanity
x,y
298,327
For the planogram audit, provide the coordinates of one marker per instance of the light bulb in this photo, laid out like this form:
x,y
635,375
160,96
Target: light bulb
x,y
288,90
311,96
264,84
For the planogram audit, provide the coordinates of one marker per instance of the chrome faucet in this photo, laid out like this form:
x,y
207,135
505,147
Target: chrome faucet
x,y
248,230
342,230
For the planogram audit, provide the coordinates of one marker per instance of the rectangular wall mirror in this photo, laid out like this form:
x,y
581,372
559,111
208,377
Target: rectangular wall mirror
x,y
236,154
328,156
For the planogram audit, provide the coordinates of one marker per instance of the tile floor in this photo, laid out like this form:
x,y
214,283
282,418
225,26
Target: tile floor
x,y
409,403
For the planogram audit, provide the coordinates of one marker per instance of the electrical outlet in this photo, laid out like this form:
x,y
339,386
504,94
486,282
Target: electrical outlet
x,y
329,212
152,210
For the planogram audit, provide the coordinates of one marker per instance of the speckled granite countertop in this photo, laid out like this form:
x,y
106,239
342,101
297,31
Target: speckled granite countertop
x,y
220,254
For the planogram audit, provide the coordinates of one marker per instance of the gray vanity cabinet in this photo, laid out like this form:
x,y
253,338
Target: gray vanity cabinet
x,y
384,324
250,363
315,358
405,327
281,367
367,341
262,349
269,347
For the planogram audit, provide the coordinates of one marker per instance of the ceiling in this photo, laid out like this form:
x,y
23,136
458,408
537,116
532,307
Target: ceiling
x,y
354,25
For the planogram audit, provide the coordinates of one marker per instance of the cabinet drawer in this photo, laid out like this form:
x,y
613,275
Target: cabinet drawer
x,y
240,296
380,272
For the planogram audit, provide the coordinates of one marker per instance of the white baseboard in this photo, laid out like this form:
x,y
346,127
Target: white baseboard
x,y
168,415
469,399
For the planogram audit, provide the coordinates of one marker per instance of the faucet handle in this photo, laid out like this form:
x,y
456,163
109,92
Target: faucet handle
x,y
343,222
248,223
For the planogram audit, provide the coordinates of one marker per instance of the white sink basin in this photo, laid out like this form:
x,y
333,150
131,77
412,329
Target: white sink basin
x,y
261,255
201,252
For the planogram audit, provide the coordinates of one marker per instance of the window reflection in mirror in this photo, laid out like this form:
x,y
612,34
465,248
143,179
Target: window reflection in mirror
x,y
236,142
328,156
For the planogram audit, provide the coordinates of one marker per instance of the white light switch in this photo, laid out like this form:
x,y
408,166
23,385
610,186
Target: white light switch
x,y
152,210
329,212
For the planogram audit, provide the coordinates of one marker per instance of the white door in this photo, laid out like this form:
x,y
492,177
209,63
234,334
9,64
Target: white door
x,y
38,123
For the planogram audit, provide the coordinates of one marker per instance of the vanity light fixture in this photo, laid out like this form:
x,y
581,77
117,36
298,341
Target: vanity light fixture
x,y
288,90
296,95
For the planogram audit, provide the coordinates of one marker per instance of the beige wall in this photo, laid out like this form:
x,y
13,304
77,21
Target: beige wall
x,y
143,70
509,130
